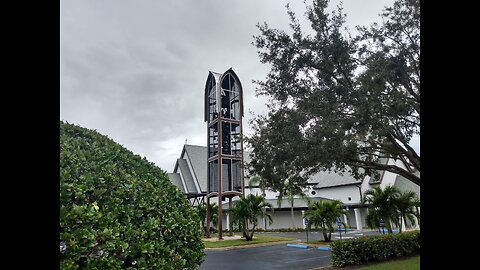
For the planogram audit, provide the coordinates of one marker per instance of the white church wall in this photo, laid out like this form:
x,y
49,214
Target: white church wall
x,y
346,194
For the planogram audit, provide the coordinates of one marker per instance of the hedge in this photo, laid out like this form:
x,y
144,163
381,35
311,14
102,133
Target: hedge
x,y
119,211
374,248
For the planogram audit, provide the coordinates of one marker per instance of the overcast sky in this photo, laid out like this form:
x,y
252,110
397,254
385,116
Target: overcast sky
x,y
136,70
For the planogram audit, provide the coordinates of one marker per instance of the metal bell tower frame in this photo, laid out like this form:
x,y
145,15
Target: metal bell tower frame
x,y
223,114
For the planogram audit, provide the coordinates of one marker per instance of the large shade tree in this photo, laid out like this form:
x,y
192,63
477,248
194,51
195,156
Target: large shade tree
x,y
343,102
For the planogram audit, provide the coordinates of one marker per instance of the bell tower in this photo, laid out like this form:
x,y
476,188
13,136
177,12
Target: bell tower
x,y
223,114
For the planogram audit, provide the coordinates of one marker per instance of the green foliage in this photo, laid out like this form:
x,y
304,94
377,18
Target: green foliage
x,y
119,211
323,215
342,102
382,203
374,248
392,205
202,213
406,203
247,209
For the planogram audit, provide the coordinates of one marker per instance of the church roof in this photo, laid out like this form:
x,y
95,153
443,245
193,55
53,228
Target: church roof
x,y
176,180
197,156
325,179
191,168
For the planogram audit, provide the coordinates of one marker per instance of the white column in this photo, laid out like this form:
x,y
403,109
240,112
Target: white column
x,y
228,221
417,226
345,219
303,220
358,218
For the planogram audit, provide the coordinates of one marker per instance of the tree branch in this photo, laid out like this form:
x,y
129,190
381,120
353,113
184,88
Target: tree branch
x,y
408,151
391,168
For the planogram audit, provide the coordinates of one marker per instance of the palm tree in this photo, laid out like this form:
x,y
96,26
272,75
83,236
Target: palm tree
x,y
382,204
416,204
247,209
290,190
202,213
323,215
406,207
258,180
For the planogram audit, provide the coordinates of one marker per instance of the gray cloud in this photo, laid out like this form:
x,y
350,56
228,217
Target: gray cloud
x,y
135,70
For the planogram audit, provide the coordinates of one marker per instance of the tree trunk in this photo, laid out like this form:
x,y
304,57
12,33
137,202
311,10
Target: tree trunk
x,y
389,226
245,229
325,236
246,233
230,216
405,221
291,212
418,216
264,218
251,235
293,220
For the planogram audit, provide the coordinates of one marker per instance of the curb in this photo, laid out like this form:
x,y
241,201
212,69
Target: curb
x,y
297,246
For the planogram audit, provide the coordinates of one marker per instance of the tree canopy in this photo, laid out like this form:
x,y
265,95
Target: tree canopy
x,y
339,102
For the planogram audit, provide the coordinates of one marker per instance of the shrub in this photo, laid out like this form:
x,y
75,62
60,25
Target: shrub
x,y
119,211
374,248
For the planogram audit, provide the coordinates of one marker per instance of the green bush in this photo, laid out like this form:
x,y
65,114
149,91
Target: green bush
x,y
119,211
374,248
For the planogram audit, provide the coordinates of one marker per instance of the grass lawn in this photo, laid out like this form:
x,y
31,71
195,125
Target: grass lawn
x,y
257,239
402,264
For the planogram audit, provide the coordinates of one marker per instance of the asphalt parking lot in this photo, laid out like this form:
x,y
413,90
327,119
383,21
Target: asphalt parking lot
x,y
269,257
278,256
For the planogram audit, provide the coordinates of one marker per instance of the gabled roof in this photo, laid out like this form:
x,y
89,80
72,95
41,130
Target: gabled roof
x,y
198,159
327,179
176,180
197,156
187,176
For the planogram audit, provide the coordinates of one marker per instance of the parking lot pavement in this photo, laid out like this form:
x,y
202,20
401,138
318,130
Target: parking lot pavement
x,y
270,257
278,256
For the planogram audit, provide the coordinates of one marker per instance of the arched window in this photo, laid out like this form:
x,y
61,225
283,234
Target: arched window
x,y
212,99
230,98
